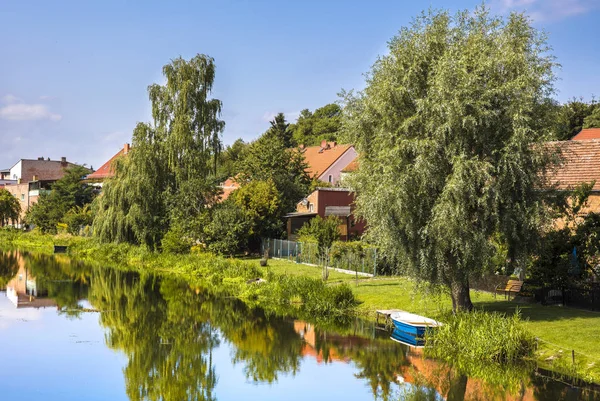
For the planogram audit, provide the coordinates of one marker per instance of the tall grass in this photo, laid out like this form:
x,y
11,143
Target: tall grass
x,y
481,337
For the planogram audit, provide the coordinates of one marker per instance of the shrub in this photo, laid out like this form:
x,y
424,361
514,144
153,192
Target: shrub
x,y
480,337
175,241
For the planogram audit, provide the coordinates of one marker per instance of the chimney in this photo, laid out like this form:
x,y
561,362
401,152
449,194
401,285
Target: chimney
x,y
63,161
41,158
301,146
333,144
324,144
34,178
126,149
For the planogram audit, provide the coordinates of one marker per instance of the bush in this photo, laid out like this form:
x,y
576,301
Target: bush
x,y
480,337
175,241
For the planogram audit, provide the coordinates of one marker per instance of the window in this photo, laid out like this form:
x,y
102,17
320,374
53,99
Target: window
x,y
330,179
22,197
311,207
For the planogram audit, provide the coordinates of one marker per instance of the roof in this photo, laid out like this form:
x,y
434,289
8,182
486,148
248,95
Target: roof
x,y
106,170
301,214
588,133
319,159
581,163
43,170
228,187
353,166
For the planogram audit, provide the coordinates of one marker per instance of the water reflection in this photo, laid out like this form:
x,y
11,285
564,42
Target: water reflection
x,y
170,333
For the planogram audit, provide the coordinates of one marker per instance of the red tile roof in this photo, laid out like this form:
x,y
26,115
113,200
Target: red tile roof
x,y
580,164
106,170
228,187
320,158
588,133
353,166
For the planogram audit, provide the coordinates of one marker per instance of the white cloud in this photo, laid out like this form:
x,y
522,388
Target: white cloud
x,y
46,97
548,10
10,99
27,112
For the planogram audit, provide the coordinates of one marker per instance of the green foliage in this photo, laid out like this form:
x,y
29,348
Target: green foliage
x,y
593,119
227,232
322,230
67,193
261,202
554,263
480,338
176,241
312,128
168,174
280,131
230,158
10,208
449,123
269,159
78,217
572,116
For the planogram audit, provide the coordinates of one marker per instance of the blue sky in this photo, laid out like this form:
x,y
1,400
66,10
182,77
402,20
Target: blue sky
x,y
73,74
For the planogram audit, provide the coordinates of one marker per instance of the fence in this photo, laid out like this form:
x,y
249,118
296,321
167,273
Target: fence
x,y
364,261
584,297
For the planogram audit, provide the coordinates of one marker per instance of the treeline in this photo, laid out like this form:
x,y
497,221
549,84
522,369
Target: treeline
x,y
165,194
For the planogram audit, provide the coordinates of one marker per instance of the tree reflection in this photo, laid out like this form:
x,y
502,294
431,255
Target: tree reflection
x,y
9,267
160,326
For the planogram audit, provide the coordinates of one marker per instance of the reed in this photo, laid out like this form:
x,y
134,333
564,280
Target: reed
x,y
481,337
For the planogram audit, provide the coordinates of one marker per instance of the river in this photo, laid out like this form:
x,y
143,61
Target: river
x,y
71,331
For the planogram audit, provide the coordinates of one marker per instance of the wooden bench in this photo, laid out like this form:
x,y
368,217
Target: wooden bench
x,y
512,287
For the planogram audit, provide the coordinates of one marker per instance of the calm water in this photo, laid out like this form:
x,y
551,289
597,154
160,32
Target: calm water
x,y
74,332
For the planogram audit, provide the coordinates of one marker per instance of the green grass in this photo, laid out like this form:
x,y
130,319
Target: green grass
x,y
282,266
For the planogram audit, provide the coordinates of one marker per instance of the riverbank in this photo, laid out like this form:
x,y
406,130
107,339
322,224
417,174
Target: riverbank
x,y
298,290
560,330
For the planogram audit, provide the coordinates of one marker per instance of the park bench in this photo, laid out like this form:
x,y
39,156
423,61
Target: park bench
x,y
512,287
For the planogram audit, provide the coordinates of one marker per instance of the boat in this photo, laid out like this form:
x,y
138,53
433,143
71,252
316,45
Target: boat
x,y
413,324
407,338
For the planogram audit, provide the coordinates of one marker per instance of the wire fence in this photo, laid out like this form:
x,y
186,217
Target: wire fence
x,y
356,259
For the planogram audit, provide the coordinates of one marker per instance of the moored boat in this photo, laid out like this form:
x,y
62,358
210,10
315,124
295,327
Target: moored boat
x,y
413,324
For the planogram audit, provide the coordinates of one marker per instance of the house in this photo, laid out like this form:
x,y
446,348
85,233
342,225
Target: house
x,y
326,202
31,178
106,170
326,161
580,164
228,186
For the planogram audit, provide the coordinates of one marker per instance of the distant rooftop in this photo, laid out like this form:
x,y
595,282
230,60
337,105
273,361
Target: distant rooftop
x,y
587,133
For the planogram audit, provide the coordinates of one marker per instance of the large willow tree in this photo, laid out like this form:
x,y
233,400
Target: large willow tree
x,y
447,129
168,176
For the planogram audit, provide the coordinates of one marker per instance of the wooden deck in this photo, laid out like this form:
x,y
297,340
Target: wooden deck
x,y
386,313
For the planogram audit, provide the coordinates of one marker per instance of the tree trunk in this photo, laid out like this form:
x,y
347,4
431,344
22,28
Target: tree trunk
x,y
461,298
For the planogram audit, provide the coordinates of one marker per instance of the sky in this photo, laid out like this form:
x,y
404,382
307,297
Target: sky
x,y
74,74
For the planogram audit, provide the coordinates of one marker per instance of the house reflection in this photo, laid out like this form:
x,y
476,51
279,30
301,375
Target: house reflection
x,y
25,292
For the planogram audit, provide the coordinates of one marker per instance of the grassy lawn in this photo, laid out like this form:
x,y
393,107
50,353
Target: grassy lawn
x,y
560,329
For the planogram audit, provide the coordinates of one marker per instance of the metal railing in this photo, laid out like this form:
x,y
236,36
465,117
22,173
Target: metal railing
x,y
309,253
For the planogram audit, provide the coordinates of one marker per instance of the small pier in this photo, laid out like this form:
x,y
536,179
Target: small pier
x,y
386,314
